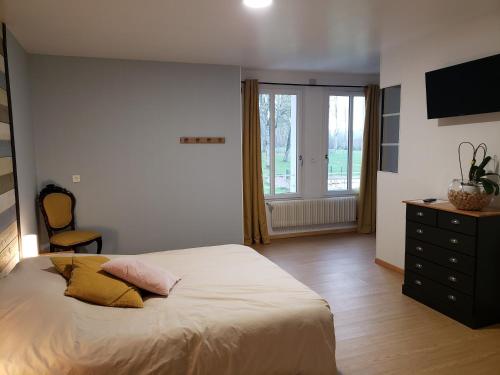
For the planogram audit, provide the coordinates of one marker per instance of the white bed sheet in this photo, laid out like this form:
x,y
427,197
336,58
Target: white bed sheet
x,y
233,312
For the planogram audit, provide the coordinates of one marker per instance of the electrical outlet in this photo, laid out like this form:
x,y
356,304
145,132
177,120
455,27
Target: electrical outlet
x,y
76,178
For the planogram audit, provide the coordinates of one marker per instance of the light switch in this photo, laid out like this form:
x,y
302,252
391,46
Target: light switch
x,y
76,178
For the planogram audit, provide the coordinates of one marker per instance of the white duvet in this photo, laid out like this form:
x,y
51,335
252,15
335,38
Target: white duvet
x,y
233,312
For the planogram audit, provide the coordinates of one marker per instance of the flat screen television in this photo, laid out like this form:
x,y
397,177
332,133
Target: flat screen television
x,y
464,89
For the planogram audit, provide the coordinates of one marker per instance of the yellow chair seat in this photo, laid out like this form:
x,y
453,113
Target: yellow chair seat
x,y
73,237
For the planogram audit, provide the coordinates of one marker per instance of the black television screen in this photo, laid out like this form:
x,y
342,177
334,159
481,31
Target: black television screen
x,y
464,89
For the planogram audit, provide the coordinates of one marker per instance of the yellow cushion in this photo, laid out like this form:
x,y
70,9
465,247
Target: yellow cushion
x,y
90,283
73,237
64,265
58,209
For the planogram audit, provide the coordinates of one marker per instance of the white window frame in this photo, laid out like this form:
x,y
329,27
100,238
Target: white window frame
x,y
284,90
351,92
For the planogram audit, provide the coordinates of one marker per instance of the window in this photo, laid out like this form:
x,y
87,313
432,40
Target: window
x,y
389,129
346,120
279,113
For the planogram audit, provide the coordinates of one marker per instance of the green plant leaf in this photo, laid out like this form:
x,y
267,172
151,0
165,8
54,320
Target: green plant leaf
x,y
485,161
480,172
472,172
476,172
490,186
492,174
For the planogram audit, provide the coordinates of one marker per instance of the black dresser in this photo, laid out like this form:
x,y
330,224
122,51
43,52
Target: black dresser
x,y
452,261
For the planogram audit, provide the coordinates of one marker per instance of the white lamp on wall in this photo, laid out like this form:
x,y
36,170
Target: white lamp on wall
x,y
30,245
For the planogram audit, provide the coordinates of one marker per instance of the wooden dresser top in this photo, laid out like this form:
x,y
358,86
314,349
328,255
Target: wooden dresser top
x,y
447,206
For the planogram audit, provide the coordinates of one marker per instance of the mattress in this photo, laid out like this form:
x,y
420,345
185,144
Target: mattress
x,y
233,312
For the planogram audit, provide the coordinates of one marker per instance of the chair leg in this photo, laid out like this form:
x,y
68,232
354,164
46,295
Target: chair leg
x,y
99,245
52,248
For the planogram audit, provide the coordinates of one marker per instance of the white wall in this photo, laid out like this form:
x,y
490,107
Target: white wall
x,y
117,124
428,148
314,120
23,134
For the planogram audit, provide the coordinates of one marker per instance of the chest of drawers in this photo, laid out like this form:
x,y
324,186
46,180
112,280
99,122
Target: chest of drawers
x,y
452,261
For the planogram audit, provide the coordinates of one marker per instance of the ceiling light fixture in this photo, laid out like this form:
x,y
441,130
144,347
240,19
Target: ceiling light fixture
x,y
257,3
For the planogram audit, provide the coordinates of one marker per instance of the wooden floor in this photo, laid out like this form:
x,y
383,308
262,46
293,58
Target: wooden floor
x,y
378,330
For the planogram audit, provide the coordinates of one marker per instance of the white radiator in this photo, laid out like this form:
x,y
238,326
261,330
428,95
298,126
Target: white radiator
x,y
309,212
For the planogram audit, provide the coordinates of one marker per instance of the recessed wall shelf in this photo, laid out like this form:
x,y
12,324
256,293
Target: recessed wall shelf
x,y
389,129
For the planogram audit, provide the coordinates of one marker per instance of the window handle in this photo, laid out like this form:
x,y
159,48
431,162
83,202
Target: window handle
x,y
301,160
326,157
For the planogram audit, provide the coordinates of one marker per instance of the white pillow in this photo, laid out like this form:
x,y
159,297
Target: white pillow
x,y
143,275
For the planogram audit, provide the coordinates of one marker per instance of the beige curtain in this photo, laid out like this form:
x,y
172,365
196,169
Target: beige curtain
x,y
367,204
254,212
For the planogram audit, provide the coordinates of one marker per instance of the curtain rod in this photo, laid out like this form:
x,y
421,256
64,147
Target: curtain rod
x,y
307,84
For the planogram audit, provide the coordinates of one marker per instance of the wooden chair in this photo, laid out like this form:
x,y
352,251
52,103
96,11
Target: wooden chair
x,y
58,208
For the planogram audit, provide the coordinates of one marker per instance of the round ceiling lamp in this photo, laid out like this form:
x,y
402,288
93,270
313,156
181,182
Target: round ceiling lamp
x,y
257,3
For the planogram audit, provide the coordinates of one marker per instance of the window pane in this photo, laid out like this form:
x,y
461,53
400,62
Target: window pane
x,y
265,137
285,144
358,125
338,142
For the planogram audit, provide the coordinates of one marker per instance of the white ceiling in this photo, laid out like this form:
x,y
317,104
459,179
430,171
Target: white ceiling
x,y
312,35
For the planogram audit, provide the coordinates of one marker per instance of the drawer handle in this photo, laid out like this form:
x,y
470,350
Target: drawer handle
x,y
418,282
453,241
453,279
420,214
455,222
453,260
451,297
418,266
420,249
420,231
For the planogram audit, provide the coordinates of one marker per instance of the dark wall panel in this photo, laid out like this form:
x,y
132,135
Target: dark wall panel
x,y
9,219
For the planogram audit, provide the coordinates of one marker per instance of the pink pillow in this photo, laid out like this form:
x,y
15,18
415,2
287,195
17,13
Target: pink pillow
x,y
142,275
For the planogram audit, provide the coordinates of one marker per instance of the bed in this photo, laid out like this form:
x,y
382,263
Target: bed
x,y
233,312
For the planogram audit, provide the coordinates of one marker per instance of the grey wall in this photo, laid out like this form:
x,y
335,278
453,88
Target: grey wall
x,y
23,134
117,124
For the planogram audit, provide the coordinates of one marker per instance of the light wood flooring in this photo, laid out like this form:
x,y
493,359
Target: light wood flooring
x,y
378,330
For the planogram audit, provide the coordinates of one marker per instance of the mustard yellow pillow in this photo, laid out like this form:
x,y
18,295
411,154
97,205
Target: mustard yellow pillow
x,y
64,265
90,283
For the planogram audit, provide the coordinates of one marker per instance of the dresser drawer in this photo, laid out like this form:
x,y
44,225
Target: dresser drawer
x,y
450,259
422,232
421,214
447,299
445,238
458,223
443,275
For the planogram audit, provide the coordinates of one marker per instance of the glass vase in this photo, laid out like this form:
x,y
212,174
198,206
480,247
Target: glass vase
x,y
468,196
